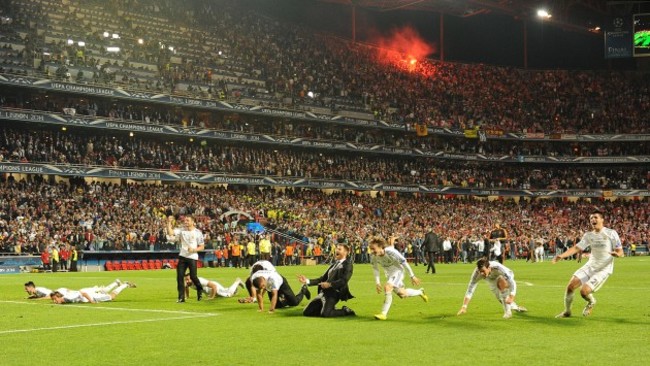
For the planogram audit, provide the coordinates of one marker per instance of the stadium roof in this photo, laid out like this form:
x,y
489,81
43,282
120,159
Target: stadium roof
x,y
575,15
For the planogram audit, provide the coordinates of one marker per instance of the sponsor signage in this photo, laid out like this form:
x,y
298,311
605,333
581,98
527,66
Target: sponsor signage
x,y
210,178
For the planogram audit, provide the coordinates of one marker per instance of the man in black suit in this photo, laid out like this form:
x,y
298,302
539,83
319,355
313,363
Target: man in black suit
x,y
430,245
332,287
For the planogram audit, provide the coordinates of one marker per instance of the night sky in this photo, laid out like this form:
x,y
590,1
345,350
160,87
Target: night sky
x,y
487,38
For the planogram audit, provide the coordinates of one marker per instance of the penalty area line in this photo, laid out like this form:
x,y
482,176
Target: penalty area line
x,y
105,324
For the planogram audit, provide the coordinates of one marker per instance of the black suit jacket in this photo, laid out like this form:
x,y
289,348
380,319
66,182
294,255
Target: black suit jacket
x,y
338,278
431,242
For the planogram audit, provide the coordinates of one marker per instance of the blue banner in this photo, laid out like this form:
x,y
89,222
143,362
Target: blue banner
x,y
618,37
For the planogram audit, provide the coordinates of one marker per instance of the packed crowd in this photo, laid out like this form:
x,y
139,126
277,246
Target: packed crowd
x,y
281,128
292,62
97,216
59,147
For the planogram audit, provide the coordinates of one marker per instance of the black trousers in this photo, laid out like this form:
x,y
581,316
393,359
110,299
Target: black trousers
x,y
55,266
249,286
431,258
185,263
286,296
323,306
449,256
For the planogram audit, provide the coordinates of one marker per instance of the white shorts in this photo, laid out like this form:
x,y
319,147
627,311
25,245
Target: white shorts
x,y
207,290
395,279
101,297
594,279
97,296
495,288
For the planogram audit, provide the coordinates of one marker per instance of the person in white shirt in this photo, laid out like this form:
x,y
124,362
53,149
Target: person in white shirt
x,y
213,288
502,284
496,251
605,246
394,265
280,293
539,250
37,292
497,237
191,242
447,249
257,266
91,294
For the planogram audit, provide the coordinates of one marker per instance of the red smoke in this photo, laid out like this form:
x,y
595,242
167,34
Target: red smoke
x,y
403,48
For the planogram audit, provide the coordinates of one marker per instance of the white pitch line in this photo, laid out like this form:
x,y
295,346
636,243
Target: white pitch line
x,y
106,323
528,283
109,308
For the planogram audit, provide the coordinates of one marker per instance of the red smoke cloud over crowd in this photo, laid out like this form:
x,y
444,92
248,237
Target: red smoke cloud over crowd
x,y
403,48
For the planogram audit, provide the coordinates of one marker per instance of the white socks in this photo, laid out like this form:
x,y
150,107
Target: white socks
x,y
388,300
120,288
503,295
411,292
232,290
109,288
568,300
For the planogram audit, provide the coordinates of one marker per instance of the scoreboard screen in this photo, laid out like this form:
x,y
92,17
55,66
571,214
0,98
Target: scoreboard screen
x,y
641,28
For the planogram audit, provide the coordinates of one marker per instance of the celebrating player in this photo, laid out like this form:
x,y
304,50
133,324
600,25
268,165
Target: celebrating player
x,y
605,245
91,294
502,283
37,292
394,265
213,288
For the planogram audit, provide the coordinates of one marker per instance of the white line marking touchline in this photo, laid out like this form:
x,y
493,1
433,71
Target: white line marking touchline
x,y
107,323
109,308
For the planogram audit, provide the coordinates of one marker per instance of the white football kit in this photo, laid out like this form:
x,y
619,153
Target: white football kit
x,y
496,270
394,264
273,279
42,292
221,291
601,263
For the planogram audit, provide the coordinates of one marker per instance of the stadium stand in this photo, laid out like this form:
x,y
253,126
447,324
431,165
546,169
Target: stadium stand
x,y
309,107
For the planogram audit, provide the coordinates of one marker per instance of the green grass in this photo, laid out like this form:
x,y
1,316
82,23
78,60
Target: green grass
x,y
144,326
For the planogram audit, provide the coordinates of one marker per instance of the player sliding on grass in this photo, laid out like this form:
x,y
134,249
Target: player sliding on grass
x,y
502,283
605,245
394,265
213,288
91,294
37,292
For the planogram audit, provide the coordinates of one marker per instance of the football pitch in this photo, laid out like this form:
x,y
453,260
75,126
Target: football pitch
x,y
145,326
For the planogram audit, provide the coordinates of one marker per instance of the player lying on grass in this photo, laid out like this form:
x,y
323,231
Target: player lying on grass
x,y
91,294
37,292
213,288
